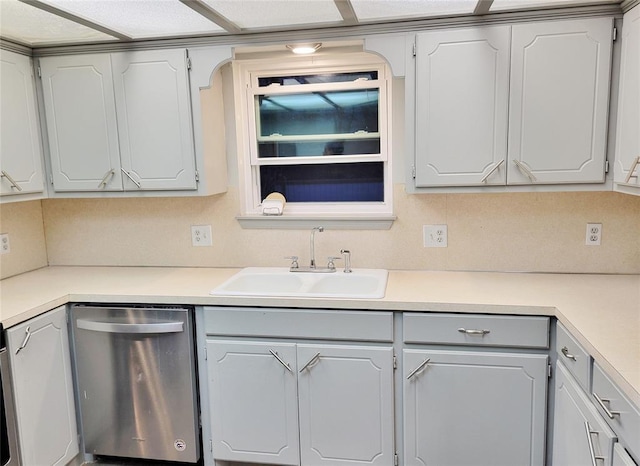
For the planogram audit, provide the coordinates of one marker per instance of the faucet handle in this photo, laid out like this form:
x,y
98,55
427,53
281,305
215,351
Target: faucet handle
x,y
331,264
294,261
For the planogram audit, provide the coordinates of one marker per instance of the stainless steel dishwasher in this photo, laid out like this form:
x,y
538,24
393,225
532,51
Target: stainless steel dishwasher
x,y
135,372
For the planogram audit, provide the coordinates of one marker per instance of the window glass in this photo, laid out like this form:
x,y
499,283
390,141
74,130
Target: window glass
x,y
318,123
337,182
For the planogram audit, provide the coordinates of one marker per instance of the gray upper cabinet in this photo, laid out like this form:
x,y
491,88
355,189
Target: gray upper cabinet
x,y
20,149
462,91
81,122
559,97
119,121
512,105
627,166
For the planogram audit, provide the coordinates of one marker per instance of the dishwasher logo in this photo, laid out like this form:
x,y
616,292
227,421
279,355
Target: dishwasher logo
x,y
180,445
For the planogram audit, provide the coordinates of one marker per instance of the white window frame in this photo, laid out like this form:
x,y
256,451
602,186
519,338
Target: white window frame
x,y
246,74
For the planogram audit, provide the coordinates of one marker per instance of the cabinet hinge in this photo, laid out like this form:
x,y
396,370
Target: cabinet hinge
x,y
205,353
615,33
197,177
413,172
414,49
39,72
549,370
189,63
606,166
211,445
395,459
395,362
51,179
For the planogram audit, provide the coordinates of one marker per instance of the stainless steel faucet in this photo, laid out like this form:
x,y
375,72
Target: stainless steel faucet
x,y
312,247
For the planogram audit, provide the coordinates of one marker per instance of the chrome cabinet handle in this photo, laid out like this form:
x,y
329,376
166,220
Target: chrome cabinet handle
x,y
634,164
472,331
568,355
495,167
419,368
11,180
525,171
114,327
27,336
275,355
601,401
592,452
137,183
311,362
106,179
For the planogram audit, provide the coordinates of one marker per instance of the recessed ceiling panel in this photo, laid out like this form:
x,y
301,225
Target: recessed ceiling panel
x,y
381,10
504,5
31,26
141,19
252,14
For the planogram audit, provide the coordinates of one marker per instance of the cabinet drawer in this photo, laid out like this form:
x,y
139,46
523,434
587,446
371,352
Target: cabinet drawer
x,y
573,356
299,323
620,413
477,330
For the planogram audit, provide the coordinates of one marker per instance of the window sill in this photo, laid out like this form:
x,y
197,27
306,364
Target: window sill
x,y
286,222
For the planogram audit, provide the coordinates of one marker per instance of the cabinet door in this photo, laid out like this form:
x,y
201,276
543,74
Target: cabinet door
x,y
41,367
462,86
628,129
346,405
573,444
154,119
559,99
81,123
253,399
474,408
621,457
20,150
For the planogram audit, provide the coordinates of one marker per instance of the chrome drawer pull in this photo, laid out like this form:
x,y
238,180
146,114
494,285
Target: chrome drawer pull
x,y
525,171
137,183
311,362
471,331
106,179
275,355
567,355
27,335
634,164
592,452
493,169
607,411
13,182
419,368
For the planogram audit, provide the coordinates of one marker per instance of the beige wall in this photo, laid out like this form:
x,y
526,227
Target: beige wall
x,y
495,232
23,222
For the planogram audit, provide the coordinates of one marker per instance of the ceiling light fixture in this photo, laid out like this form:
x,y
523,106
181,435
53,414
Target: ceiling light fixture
x,y
304,49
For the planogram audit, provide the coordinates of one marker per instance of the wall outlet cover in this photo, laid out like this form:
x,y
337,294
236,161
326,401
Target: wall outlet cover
x,y
594,234
201,235
434,236
5,246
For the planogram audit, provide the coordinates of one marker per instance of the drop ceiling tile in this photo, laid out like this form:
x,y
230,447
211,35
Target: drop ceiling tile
x,y
381,10
504,5
141,19
31,26
254,14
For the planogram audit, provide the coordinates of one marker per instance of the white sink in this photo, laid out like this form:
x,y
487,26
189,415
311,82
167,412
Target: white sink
x,y
279,281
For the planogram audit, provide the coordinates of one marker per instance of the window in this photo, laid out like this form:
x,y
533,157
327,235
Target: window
x,y
316,131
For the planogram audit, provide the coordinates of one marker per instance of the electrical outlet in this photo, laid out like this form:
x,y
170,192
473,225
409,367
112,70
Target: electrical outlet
x,y
594,234
5,247
201,235
434,236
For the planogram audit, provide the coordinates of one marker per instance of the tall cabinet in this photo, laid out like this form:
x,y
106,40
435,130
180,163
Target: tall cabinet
x,y
20,147
120,121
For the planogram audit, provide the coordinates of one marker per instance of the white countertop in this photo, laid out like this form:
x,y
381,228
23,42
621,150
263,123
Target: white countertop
x,y
601,311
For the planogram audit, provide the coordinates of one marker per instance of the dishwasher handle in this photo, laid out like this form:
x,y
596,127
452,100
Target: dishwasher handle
x,y
115,327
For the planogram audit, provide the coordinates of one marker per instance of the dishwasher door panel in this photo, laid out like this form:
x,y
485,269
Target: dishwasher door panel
x,y
136,382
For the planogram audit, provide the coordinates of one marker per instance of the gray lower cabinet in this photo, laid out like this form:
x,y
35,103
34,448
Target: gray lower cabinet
x,y
621,457
42,383
580,434
474,408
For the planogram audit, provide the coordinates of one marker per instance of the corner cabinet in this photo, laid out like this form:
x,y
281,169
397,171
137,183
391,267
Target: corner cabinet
x,y
627,166
20,147
120,121
513,105
43,390
299,402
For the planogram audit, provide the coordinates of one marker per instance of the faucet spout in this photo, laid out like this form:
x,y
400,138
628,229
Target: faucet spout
x,y
312,248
